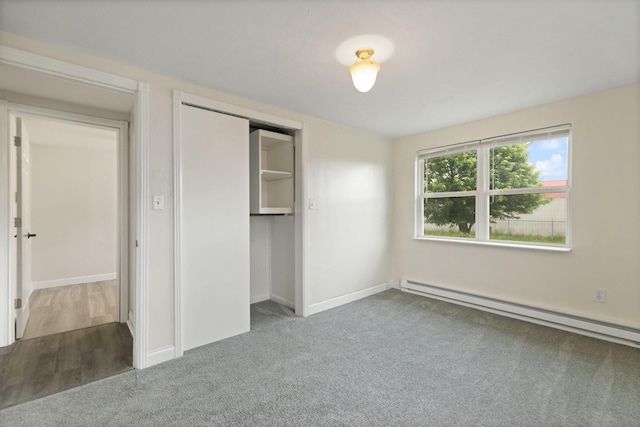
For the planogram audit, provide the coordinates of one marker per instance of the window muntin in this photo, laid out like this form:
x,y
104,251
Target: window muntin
x,y
514,189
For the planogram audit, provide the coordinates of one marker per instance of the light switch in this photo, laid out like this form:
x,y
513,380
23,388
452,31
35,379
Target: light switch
x,y
158,203
312,204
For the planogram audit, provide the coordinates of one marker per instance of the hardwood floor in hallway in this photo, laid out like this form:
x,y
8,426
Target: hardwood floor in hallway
x,y
65,308
37,367
71,339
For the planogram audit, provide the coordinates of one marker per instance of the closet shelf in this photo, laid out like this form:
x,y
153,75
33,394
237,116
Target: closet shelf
x,y
271,166
272,140
271,175
275,211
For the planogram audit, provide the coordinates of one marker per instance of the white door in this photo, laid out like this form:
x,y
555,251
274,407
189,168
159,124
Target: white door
x,y
214,226
23,231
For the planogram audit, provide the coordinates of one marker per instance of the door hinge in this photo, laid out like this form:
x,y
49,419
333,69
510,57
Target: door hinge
x,y
17,141
137,243
17,222
18,303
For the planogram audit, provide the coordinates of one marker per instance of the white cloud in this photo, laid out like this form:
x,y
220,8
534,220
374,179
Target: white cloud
x,y
553,168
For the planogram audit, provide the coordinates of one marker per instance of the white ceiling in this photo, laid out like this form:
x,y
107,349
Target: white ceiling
x,y
452,61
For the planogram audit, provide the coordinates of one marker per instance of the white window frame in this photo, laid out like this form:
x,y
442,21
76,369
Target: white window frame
x,y
484,192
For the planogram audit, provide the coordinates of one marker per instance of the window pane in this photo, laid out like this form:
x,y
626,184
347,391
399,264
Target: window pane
x,y
542,218
451,172
529,164
450,216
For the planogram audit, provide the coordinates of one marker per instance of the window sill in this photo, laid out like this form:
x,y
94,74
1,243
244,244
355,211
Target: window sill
x,y
554,248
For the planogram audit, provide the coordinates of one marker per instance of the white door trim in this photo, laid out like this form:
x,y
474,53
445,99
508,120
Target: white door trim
x,y
301,218
22,110
140,123
180,98
177,220
234,110
7,330
54,67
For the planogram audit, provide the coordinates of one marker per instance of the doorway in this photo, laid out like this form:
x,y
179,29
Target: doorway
x,y
69,187
66,242
48,83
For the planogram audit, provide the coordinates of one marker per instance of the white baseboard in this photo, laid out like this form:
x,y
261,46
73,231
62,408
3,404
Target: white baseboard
x,y
259,298
74,280
162,355
580,325
394,285
345,299
283,301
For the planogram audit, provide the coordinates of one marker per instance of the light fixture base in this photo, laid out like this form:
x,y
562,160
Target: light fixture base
x,y
364,53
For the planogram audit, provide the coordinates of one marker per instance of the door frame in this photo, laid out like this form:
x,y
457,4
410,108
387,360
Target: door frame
x,y
18,185
122,150
139,136
300,212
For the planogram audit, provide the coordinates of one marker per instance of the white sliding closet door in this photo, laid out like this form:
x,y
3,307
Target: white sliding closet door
x,y
214,226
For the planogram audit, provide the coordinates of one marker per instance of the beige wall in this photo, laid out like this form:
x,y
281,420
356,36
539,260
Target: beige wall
x,y
73,211
349,233
350,180
605,203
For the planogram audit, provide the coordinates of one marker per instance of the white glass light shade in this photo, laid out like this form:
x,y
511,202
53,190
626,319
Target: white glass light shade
x,y
364,74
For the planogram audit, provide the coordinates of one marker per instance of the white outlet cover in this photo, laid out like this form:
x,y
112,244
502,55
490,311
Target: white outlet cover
x,y
599,295
158,203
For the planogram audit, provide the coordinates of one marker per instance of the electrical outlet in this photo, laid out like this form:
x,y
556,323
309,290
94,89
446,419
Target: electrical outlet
x,y
599,295
158,203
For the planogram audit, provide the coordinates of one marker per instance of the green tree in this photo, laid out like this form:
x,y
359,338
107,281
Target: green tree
x,y
509,168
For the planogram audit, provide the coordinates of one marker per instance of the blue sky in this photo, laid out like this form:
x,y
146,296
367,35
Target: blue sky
x,y
549,158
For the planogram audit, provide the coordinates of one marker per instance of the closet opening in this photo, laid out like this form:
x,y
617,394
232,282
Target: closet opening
x,y
272,220
240,218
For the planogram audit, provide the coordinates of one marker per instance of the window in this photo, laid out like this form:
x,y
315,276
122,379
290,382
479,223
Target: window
x,y
512,188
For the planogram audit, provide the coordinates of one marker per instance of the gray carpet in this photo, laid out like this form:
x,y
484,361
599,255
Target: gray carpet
x,y
390,359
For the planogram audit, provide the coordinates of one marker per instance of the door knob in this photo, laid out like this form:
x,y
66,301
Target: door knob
x,y
29,235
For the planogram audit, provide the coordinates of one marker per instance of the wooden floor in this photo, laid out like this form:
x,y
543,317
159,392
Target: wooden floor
x,y
71,339
66,308
36,367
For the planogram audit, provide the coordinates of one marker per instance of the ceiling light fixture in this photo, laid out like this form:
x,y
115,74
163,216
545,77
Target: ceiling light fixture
x,y
364,71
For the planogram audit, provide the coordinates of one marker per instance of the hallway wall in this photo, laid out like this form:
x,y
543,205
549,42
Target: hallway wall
x,y
74,214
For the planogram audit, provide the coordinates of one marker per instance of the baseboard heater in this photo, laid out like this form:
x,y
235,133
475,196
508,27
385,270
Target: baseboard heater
x,y
593,328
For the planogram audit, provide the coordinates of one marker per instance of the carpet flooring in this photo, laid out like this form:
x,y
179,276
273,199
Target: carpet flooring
x,y
392,359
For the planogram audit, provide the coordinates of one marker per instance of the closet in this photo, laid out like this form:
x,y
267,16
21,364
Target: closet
x,y
272,222
236,218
